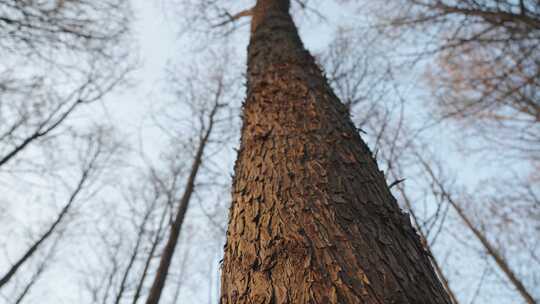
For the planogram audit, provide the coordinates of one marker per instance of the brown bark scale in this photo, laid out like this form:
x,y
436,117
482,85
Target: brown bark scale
x,y
312,219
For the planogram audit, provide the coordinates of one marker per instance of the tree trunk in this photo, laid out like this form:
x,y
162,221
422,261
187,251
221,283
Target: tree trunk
x,y
168,252
312,219
29,253
490,248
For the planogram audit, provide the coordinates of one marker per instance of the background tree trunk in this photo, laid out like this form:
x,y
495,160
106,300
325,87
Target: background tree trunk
x,y
312,219
166,258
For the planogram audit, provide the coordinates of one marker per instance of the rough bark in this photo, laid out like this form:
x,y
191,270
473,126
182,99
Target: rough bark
x,y
312,219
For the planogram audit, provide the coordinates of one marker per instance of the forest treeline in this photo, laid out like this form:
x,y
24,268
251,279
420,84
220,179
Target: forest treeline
x,y
398,164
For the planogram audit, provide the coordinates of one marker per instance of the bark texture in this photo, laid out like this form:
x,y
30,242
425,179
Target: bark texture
x,y
312,219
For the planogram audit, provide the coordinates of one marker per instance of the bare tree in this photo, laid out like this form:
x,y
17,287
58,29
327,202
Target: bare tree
x,y
484,64
56,63
176,227
208,95
302,168
360,78
195,121
480,235
483,218
59,57
40,270
97,150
